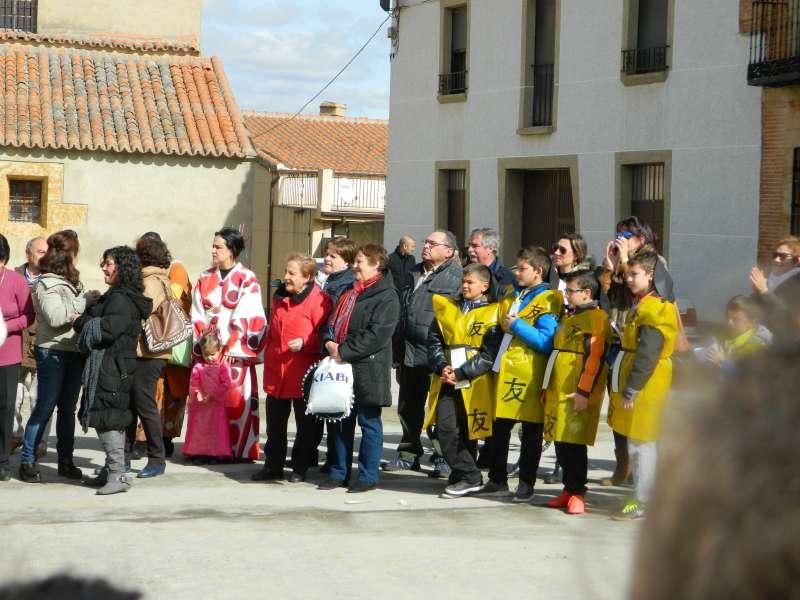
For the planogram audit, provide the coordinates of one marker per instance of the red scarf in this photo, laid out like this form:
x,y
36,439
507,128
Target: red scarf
x,y
344,309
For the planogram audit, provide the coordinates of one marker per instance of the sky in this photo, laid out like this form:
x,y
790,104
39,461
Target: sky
x,y
279,53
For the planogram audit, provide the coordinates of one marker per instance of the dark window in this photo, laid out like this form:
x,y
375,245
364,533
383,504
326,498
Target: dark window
x,y
794,226
454,79
544,44
455,212
548,211
18,14
645,196
25,201
647,40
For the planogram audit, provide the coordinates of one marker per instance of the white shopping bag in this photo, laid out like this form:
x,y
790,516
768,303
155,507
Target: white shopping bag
x,y
329,389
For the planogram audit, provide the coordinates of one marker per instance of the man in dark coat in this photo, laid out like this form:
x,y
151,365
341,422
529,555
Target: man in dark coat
x,y
484,248
402,261
438,273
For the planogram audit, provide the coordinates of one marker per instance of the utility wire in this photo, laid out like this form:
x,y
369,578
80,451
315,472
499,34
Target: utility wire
x,y
330,81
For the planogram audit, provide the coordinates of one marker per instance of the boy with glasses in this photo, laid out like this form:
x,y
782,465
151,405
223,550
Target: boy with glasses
x,y
574,384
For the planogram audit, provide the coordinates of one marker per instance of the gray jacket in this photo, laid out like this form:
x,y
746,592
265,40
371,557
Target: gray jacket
x,y
417,307
56,301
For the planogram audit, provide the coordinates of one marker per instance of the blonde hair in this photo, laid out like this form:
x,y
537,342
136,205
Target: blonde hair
x,y
209,343
308,267
793,243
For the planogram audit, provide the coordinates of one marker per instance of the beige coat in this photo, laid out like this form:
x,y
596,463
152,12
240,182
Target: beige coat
x,y
56,301
156,280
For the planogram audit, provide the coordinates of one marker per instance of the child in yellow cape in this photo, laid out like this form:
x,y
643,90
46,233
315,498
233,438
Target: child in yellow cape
x,y
641,376
574,385
462,344
746,336
529,315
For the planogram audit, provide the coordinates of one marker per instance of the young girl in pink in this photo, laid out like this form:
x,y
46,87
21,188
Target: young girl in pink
x,y
207,435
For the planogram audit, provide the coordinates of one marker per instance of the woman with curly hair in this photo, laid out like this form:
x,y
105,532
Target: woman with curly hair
x,y
155,259
58,299
108,333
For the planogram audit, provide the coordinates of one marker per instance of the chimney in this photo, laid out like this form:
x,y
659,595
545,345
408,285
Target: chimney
x,y
332,109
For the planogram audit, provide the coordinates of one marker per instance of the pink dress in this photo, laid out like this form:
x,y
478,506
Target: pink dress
x,y
207,432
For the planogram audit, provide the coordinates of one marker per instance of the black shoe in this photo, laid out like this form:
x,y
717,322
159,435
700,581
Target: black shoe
x,y
266,475
99,481
359,486
169,447
5,474
29,473
325,469
330,484
138,451
152,470
462,488
69,470
296,477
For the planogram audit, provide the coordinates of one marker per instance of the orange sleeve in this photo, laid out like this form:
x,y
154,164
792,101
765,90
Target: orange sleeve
x,y
593,360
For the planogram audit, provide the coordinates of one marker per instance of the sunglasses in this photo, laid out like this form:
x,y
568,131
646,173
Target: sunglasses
x,y
625,234
782,256
559,250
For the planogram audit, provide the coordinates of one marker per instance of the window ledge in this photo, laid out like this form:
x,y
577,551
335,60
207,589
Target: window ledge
x,y
450,98
539,130
644,78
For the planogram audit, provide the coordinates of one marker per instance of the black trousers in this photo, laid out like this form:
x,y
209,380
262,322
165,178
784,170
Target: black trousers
x,y
574,459
530,451
278,410
414,384
144,407
9,376
453,433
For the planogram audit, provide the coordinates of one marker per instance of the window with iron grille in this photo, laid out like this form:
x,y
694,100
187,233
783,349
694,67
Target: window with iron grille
x,y
454,211
19,14
794,225
453,79
540,51
647,46
25,201
644,188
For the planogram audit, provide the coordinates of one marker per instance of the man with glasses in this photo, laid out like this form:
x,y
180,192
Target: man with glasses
x,y
438,273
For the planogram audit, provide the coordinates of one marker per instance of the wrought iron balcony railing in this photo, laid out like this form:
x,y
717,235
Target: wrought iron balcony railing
x,y
644,60
19,14
774,43
453,83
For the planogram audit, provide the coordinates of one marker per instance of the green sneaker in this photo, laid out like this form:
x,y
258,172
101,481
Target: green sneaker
x,y
630,511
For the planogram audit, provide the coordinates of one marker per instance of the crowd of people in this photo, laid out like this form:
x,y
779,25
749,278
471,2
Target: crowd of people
x,y
477,349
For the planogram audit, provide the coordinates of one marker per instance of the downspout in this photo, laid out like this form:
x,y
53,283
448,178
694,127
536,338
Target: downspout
x,y
272,187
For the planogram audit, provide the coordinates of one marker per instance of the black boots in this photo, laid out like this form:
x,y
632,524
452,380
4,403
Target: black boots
x,y
69,470
29,473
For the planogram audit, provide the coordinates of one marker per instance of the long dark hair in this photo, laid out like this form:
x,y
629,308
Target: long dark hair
x,y
129,269
153,252
62,248
639,228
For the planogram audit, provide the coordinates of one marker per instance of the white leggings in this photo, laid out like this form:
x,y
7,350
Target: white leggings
x,y
643,457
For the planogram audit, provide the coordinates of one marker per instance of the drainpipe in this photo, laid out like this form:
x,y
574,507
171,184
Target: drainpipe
x,y
272,190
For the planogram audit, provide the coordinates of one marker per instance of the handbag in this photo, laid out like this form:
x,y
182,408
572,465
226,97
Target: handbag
x,y
168,325
328,389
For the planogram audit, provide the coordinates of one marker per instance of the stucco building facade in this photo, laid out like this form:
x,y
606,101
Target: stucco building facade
x,y
542,116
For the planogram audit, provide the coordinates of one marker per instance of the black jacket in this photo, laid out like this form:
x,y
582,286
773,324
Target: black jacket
x,y
368,343
121,312
474,367
400,265
502,277
778,305
417,308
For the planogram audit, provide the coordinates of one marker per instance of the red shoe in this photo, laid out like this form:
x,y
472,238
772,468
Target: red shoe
x,y
560,501
576,505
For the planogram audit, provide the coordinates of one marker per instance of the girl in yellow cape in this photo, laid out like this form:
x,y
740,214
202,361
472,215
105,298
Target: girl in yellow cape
x,y
462,344
641,376
574,385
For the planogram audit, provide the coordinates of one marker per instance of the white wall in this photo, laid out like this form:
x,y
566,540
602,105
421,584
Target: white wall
x,y
704,113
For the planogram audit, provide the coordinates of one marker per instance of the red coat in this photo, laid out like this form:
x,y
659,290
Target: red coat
x,y
298,316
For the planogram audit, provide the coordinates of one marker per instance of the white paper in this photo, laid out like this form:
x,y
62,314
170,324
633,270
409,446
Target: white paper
x,y
458,356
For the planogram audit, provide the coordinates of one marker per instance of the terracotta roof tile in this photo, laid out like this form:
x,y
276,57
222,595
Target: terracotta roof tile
x,y
181,45
86,100
343,144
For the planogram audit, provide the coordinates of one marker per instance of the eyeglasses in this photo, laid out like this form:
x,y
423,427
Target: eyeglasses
x,y
782,255
573,291
625,234
433,244
559,250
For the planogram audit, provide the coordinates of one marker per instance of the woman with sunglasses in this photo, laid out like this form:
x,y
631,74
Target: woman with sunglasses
x,y
781,288
569,254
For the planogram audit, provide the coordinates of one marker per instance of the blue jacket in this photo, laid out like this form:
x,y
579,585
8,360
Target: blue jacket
x,y
538,336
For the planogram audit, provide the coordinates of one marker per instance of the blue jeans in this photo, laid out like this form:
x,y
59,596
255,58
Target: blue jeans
x,y
370,451
59,373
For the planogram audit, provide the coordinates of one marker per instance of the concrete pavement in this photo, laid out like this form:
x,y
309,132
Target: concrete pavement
x,y
213,533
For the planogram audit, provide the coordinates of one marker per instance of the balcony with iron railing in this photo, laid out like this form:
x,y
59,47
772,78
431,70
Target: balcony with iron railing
x,y
453,83
638,61
19,14
774,43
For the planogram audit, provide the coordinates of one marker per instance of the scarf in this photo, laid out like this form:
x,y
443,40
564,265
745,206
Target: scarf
x,y
340,321
774,281
90,336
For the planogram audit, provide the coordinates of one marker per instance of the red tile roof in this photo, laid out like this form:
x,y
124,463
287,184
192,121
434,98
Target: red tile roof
x,y
188,44
311,142
83,100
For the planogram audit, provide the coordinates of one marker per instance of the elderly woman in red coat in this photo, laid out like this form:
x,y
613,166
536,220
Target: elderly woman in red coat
x,y
299,310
